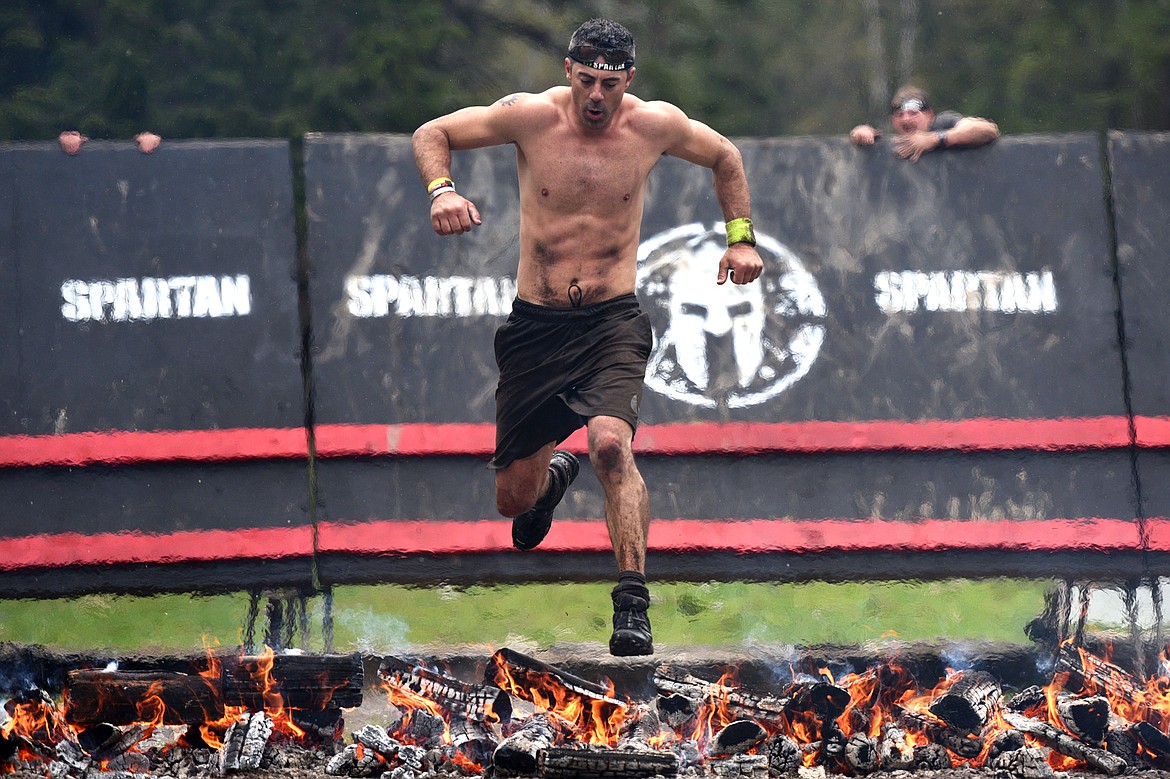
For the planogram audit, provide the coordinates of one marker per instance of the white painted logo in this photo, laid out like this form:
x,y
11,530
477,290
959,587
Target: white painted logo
x,y
381,295
733,345
136,300
908,291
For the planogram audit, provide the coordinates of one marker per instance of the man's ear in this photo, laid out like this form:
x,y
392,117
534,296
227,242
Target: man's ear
x,y
568,69
630,75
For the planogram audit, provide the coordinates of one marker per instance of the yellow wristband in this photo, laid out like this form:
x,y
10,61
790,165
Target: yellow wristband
x,y
440,181
740,231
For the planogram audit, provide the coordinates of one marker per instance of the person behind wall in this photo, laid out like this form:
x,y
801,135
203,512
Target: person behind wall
x,y
71,141
918,130
573,352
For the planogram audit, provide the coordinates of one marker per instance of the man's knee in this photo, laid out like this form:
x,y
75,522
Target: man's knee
x,y
518,487
610,451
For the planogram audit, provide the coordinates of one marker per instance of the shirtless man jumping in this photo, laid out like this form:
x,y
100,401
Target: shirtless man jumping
x,y
573,351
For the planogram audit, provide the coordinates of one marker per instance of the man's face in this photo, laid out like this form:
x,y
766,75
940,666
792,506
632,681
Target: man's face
x,y
597,93
912,120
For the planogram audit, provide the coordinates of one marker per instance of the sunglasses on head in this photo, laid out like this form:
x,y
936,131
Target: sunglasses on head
x,y
614,59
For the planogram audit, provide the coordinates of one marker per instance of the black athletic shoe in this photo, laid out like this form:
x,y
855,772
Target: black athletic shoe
x,y
530,528
631,625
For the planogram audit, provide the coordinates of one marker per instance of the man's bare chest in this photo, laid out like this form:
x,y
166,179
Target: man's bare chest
x,y
573,171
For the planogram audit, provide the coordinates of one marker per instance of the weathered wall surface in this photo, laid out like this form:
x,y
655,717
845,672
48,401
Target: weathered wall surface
x,y
950,367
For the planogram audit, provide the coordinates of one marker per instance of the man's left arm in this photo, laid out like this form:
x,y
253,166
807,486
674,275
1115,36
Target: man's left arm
x,y
703,146
967,132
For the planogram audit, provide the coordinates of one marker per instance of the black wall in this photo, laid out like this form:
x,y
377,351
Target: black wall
x,y
945,361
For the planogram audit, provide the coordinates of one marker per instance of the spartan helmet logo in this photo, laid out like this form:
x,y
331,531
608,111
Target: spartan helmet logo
x,y
728,346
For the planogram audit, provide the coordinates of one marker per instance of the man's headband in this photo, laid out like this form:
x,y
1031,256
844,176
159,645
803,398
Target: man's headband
x,y
911,104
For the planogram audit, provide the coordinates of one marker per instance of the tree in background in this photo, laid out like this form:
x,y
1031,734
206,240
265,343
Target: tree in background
x,y
279,68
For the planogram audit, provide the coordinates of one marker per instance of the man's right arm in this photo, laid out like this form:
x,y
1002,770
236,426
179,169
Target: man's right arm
x,y
468,128
864,135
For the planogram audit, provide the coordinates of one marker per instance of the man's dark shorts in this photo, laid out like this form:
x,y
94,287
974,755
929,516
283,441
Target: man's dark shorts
x,y
559,367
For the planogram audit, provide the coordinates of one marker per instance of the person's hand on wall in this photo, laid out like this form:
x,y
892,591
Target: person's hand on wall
x,y
147,142
71,141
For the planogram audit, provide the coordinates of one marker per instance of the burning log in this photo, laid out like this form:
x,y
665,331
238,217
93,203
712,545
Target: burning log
x,y
590,762
244,743
126,697
531,680
481,703
963,744
355,760
969,703
1096,675
311,682
1065,744
517,754
677,686
737,738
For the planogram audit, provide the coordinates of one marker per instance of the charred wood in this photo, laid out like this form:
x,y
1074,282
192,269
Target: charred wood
x,y
640,728
104,742
737,737
1065,744
1123,743
355,760
473,739
593,762
375,738
126,697
784,755
1155,742
421,727
677,710
1028,700
517,753
1006,741
932,757
894,750
742,767
831,754
861,754
481,703
826,701
1085,718
969,703
312,682
71,754
962,743
244,743
674,684
1023,763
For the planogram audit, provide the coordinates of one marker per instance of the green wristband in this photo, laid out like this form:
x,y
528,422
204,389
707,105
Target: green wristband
x,y
740,231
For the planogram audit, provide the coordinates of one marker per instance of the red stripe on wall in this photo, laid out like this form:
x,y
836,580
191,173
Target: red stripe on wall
x,y
682,536
751,536
699,438
193,546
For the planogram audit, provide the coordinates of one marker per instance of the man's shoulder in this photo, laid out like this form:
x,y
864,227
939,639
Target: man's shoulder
x,y
535,101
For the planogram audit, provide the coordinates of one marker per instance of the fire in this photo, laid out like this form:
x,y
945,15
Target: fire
x,y
596,719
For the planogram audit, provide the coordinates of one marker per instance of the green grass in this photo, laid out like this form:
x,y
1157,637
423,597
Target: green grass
x,y
382,619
